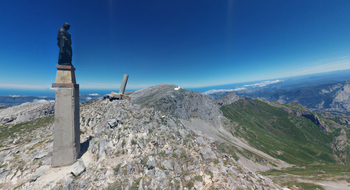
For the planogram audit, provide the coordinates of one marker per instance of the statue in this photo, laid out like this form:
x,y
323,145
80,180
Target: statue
x,y
64,42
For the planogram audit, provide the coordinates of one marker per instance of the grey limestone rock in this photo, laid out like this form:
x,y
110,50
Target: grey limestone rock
x,y
112,123
201,141
69,185
84,183
167,165
40,172
140,185
160,180
151,163
198,185
39,155
207,154
227,99
56,187
77,168
178,170
3,174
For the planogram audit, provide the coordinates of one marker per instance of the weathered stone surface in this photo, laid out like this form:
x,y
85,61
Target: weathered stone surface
x,y
207,154
178,170
200,140
69,185
198,185
167,165
184,104
112,123
78,168
151,163
66,144
40,172
39,155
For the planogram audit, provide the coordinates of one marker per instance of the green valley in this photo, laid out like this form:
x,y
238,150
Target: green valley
x,y
294,134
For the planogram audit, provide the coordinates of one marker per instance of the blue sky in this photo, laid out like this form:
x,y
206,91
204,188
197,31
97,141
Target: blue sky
x,y
188,43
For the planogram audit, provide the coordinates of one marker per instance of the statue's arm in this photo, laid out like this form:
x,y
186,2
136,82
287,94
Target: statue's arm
x,y
62,43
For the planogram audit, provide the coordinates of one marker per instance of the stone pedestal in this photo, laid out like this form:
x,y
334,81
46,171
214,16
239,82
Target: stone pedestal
x,y
66,143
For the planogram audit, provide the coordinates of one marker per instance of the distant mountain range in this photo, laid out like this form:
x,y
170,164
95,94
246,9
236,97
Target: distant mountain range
x,y
320,92
15,100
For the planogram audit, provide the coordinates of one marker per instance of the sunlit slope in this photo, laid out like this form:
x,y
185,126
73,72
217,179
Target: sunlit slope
x,y
294,139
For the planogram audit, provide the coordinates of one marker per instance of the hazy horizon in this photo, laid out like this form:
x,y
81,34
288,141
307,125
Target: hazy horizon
x,y
205,90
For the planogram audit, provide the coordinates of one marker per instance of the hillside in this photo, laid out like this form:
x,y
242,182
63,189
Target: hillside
x,y
292,133
124,146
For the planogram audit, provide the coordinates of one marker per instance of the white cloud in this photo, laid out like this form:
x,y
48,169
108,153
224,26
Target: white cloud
x,y
213,91
15,96
262,84
88,98
94,94
341,63
42,101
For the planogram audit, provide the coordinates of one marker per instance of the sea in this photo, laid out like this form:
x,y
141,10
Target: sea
x,y
102,92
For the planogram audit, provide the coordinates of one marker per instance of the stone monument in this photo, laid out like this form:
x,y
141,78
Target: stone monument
x,y
123,85
66,143
120,95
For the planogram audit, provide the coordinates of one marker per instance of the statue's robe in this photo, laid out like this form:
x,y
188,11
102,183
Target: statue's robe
x,y
64,42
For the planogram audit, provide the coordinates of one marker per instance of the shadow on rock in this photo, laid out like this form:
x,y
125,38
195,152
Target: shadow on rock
x,y
84,147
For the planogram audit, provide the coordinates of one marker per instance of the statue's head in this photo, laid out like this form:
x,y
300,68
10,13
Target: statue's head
x,y
66,26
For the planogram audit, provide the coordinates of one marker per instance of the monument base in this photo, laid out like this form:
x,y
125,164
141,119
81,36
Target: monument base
x,y
66,143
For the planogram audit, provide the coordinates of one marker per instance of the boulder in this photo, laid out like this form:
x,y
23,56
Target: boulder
x,y
207,154
77,168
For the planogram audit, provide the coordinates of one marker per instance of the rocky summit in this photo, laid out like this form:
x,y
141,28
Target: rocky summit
x,y
126,144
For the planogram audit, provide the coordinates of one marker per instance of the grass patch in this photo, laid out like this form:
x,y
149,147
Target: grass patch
x,y
198,178
283,135
116,169
27,127
329,170
183,154
135,184
144,161
304,186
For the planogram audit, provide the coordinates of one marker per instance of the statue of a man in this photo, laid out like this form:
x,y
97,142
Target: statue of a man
x,y
64,42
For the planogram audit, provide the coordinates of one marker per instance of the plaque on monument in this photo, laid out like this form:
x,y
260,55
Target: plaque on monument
x,y
66,143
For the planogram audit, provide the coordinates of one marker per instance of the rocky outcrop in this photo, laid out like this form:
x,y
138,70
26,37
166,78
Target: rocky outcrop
x,y
227,99
125,146
308,115
26,112
181,103
341,101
